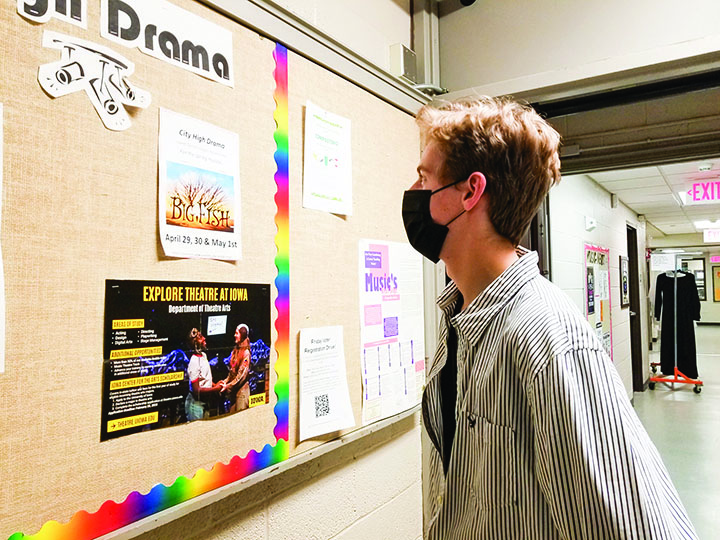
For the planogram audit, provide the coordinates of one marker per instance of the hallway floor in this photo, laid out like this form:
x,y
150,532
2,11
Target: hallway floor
x,y
685,427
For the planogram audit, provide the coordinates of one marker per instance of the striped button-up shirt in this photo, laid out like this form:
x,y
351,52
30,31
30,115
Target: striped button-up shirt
x,y
547,444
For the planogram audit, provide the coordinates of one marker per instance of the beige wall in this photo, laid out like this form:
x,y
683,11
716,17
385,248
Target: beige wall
x,y
506,47
573,199
367,27
370,489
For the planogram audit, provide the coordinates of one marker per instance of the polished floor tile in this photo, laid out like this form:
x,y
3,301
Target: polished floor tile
x,y
685,427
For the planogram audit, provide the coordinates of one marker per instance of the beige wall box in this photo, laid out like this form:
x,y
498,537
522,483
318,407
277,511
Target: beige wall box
x,y
403,63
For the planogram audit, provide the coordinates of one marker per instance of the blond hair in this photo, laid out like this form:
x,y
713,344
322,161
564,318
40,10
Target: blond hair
x,y
509,143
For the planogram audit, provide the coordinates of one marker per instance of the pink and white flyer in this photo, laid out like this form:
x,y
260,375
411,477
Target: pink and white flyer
x,y
391,328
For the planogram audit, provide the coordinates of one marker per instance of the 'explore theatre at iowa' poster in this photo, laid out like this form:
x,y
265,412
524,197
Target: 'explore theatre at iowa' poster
x,y
175,352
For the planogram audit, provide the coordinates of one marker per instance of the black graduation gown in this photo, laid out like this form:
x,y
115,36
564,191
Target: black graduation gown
x,y
688,310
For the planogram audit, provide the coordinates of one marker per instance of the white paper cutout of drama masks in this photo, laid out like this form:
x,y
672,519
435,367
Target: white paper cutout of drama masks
x,y
99,71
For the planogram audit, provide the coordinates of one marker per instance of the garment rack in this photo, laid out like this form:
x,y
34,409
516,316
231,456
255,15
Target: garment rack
x,y
677,377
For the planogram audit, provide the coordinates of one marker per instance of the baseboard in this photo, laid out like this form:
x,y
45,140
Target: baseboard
x,y
708,323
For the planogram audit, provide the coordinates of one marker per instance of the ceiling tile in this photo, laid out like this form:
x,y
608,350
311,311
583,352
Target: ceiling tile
x,y
660,220
679,181
616,185
713,208
684,229
658,208
646,198
625,174
649,191
676,228
663,218
703,211
690,167
671,204
664,229
652,190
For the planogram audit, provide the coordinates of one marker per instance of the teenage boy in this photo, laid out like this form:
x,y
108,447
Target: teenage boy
x,y
533,434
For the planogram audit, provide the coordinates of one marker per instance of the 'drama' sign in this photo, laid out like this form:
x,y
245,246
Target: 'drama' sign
x,y
169,33
156,27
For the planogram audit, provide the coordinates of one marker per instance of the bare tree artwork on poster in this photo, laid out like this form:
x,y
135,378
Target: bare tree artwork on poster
x,y
194,196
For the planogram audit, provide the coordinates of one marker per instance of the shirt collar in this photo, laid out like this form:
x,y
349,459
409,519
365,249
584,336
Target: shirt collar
x,y
473,319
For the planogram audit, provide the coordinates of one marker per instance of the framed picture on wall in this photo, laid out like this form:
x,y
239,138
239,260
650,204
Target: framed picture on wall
x,y
700,282
696,267
624,282
716,283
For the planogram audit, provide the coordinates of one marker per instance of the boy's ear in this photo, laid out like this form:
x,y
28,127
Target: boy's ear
x,y
475,189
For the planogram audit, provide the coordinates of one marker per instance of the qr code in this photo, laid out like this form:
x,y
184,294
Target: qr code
x,y
322,405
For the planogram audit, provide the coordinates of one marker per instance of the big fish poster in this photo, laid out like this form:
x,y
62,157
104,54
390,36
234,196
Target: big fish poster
x,y
199,189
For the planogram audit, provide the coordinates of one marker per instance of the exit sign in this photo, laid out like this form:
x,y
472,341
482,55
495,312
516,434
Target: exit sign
x,y
702,193
711,236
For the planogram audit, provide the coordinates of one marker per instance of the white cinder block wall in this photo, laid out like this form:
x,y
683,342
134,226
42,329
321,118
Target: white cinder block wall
x,y
368,489
570,202
367,27
576,41
377,495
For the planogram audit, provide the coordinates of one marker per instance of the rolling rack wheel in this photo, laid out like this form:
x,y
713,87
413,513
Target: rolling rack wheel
x,y
697,388
651,386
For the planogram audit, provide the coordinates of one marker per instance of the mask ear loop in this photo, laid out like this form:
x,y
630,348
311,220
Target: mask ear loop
x,y
445,187
453,219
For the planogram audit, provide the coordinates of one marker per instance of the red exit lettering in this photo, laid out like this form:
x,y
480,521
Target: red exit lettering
x,y
705,191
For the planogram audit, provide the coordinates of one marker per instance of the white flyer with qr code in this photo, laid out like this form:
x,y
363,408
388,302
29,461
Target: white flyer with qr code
x,y
324,398
392,335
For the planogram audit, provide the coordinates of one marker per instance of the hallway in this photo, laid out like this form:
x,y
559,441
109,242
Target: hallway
x,y
685,427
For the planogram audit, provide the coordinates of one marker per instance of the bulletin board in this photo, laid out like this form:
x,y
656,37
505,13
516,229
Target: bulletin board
x,y
597,294
80,208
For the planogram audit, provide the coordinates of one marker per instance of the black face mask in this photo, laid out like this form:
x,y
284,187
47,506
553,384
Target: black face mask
x,y
426,236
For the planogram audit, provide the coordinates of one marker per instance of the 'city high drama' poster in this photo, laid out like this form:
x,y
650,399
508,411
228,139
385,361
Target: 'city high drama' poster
x,y
198,189
175,352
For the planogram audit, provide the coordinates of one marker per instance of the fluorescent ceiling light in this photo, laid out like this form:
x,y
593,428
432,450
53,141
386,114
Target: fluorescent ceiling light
x,y
707,224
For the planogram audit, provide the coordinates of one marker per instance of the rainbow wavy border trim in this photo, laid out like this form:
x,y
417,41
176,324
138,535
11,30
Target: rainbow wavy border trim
x,y
111,515
282,241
